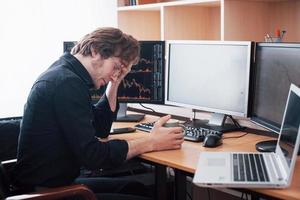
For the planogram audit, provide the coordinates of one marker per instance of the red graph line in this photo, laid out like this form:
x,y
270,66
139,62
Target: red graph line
x,y
133,83
147,70
145,61
129,97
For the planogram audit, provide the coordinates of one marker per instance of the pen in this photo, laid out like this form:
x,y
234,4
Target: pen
x,y
269,38
277,33
282,33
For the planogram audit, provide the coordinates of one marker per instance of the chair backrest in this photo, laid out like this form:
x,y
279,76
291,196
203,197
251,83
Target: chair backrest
x,y
8,190
2,184
5,183
9,133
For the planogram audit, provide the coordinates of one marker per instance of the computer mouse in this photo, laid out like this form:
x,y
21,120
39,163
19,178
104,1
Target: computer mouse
x,y
212,140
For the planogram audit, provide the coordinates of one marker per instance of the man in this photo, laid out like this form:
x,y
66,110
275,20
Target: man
x,y
59,125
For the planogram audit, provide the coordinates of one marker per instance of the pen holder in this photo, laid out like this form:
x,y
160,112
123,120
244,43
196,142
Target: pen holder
x,y
273,39
279,36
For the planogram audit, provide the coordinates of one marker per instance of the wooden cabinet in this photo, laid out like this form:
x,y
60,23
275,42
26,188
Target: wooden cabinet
x,y
210,19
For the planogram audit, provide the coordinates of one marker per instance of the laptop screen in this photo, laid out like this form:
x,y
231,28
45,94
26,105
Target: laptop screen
x,y
290,127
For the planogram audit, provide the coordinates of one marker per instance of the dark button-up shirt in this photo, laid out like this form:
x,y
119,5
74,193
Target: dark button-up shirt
x,y
59,128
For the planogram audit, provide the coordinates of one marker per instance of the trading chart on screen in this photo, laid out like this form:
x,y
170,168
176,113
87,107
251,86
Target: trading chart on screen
x,y
144,83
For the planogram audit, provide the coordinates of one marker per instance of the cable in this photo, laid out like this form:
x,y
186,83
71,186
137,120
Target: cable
x,y
189,195
131,172
208,193
194,111
244,197
236,136
236,123
147,107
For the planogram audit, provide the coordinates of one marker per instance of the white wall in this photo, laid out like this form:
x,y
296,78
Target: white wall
x,y
31,38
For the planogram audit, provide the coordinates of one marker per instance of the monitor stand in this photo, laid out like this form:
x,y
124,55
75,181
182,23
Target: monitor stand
x,y
266,146
217,123
123,117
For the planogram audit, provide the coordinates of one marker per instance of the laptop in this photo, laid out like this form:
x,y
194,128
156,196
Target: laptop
x,y
259,170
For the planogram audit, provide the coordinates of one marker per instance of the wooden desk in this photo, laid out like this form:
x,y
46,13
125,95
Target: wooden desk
x,y
186,158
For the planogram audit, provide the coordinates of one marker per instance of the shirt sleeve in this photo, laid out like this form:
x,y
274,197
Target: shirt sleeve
x,y
75,117
103,117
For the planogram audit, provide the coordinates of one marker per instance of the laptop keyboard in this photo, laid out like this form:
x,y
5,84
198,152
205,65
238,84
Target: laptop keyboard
x,y
249,167
190,133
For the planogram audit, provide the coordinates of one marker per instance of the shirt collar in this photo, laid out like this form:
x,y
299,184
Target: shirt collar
x,y
76,66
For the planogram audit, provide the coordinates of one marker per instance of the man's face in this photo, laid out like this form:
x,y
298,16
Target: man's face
x,y
107,70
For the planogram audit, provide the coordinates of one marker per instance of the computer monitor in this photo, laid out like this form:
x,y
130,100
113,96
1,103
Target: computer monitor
x,y
143,84
209,76
276,66
68,45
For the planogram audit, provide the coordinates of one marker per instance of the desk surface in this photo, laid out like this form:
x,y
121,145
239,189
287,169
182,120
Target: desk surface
x,y
186,158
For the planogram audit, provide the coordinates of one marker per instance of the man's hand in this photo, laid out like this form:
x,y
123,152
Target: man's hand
x,y
160,138
112,87
117,78
164,138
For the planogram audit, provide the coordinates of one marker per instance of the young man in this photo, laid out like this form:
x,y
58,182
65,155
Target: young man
x,y
60,124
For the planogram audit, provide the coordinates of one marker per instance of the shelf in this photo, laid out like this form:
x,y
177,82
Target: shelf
x,y
210,19
142,25
145,7
172,20
158,6
252,20
180,23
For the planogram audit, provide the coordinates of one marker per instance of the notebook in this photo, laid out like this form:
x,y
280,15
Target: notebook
x,y
260,170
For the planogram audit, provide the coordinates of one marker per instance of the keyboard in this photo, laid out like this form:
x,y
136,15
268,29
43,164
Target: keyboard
x,y
249,167
147,127
190,133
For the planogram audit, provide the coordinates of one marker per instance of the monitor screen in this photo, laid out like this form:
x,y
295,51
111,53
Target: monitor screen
x,y
209,76
145,82
290,124
68,45
276,66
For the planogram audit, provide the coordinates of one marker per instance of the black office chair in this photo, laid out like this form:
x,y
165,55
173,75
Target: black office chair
x,y
9,133
10,192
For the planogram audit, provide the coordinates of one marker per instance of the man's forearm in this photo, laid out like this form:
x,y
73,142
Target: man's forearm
x,y
111,93
139,146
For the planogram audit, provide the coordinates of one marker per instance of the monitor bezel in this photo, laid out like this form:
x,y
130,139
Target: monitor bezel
x,y
265,123
249,45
